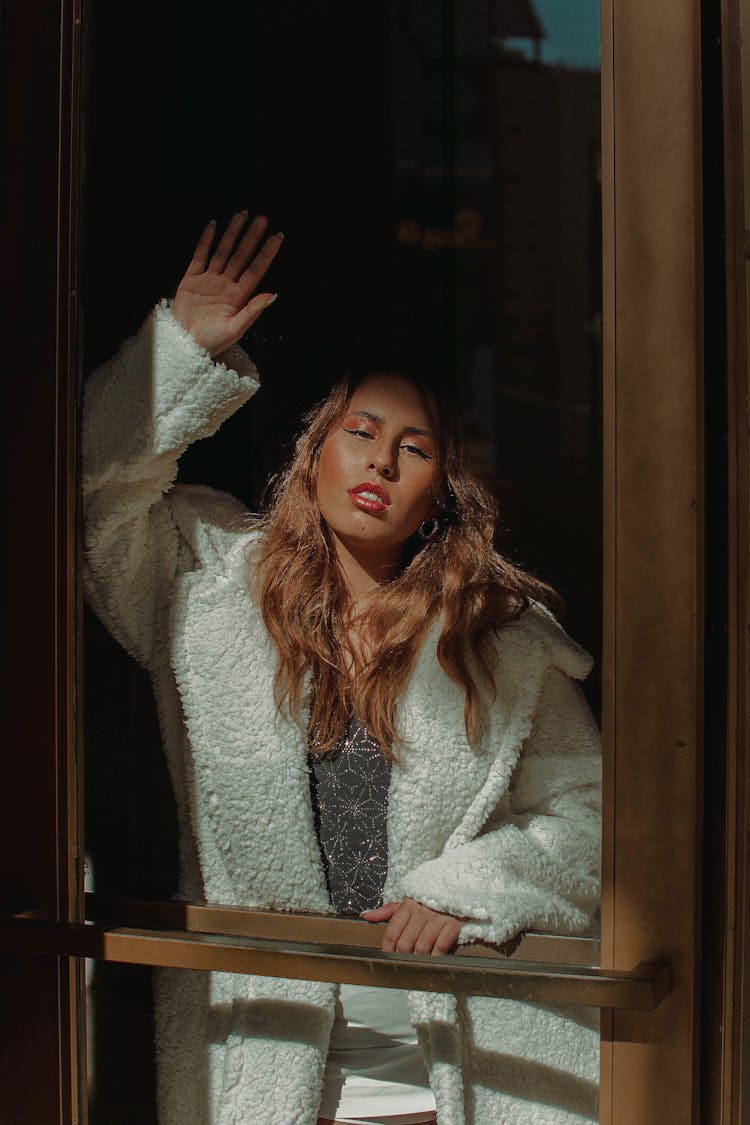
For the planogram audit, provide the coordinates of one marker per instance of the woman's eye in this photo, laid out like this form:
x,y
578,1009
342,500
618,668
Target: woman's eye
x,y
358,433
416,449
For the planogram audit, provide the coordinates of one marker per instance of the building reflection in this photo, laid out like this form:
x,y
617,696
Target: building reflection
x,y
498,234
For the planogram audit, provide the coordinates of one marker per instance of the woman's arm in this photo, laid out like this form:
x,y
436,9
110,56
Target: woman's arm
x,y
535,864
141,410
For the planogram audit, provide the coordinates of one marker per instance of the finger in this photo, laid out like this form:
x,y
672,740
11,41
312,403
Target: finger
x,y
226,243
425,941
249,280
246,317
447,938
244,250
202,249
395,928
381,913
410,934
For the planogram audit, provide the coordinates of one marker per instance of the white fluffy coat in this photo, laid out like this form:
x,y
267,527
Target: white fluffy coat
x,y
506,834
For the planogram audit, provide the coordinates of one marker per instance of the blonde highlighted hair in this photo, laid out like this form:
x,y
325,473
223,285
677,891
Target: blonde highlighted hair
x,y
456,577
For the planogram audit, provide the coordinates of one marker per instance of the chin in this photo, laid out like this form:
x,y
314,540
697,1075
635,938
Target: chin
x,y
366,538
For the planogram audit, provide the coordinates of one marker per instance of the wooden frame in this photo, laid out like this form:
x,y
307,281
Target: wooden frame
x,y
653,565
39,77
725,1091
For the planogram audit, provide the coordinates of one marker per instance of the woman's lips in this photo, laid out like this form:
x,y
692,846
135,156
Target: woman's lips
x,y
369,497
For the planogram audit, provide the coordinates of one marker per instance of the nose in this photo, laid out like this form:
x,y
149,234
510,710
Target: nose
x,y
382,462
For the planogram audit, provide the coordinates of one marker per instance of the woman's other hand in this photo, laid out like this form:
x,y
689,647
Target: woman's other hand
x,y
216,300
413,928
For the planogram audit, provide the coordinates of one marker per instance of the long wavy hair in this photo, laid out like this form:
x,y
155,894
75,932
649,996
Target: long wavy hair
x,y
457,577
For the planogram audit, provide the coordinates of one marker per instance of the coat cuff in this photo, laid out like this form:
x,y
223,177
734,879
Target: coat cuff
x,y
158,394
233,359
502,886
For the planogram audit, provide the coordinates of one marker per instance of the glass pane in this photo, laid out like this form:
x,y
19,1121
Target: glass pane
x,y
198,1029
435,169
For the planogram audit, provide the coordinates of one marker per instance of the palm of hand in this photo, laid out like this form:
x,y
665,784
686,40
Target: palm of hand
x,y
216,300
206,304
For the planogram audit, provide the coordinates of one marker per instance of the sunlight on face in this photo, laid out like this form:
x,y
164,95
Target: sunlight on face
x,y
377,468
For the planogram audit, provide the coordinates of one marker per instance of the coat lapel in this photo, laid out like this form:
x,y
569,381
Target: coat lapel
x,y
251,795
443,790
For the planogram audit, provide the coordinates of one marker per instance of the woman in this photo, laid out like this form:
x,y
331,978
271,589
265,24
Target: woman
x,y
365,621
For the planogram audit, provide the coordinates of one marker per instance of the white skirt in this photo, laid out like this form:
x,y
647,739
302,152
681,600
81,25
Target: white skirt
x,y
374,1068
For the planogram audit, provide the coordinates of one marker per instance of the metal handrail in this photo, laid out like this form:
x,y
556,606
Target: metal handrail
x,y
642,988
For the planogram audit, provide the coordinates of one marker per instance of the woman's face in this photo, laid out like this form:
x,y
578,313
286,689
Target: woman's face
x,y
376,476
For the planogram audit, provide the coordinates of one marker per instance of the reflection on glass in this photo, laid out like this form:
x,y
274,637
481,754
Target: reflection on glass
x,y
438,185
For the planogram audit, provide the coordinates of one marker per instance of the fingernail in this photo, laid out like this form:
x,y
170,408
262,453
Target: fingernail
x,y
212,222
270,300
280,235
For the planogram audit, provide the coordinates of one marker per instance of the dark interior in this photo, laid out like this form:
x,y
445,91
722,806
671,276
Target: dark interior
x,y
438,185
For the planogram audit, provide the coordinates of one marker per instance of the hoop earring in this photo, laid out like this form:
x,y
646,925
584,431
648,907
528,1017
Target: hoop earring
x,y
428,529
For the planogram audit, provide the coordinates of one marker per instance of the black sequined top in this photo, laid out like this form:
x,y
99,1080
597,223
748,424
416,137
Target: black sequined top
x,y
349,786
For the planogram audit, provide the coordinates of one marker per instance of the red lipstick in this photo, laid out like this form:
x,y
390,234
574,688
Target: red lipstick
x,y
369,497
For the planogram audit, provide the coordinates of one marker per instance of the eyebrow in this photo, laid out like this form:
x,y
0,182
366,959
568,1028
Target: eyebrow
x,y
381,421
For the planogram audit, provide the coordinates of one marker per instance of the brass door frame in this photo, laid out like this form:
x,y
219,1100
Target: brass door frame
x,y
653,560
653,545
735,21
39,860
725,1075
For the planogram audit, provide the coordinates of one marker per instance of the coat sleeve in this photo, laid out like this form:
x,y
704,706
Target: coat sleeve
x,y
141,410
535,864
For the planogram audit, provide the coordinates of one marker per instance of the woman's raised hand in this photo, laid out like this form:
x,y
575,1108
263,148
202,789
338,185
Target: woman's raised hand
x,y
216,299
